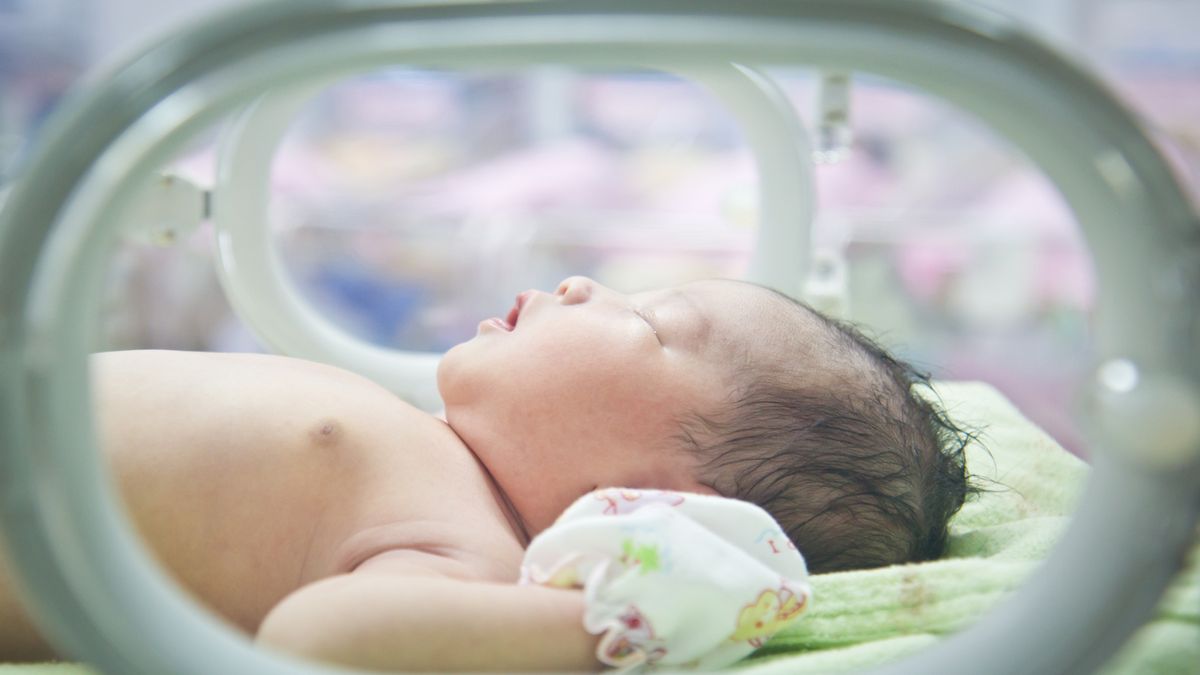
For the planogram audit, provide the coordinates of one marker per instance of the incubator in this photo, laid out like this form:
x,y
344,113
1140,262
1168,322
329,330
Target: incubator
x,y
97,179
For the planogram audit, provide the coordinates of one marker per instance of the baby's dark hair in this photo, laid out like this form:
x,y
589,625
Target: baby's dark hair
x,y
859,467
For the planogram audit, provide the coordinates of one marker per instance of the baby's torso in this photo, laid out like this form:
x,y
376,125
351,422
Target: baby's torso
x,y
250,476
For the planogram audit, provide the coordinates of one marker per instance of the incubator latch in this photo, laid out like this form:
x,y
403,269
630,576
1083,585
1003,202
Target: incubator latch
x,y
168,210
1151,415
834,135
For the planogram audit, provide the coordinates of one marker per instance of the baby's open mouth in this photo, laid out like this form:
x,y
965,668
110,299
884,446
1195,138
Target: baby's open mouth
x,y
514,314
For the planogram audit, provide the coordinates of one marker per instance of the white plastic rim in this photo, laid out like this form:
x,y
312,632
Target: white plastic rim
x,y
102,599
260,291
254,278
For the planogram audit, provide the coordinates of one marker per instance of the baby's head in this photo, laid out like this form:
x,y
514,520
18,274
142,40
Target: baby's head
x,y
720,387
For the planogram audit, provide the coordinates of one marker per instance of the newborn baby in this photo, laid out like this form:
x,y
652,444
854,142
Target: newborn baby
x,y
320,513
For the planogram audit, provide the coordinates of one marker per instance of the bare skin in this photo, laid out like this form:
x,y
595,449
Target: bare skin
x,y
265,474
282,493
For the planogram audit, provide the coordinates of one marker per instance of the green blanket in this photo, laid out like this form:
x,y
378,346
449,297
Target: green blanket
x,y
863,618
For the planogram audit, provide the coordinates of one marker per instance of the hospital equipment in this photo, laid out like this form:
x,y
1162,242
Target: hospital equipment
x,y
105,602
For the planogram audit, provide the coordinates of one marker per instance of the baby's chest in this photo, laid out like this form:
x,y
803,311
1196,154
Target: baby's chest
x,y
245,511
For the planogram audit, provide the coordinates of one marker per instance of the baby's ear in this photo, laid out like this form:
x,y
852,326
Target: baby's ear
x,y
704,489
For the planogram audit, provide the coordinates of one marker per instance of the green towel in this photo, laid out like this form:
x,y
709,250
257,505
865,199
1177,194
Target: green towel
x,y
864,618
868,617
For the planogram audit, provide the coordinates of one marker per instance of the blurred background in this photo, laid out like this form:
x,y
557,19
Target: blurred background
x,y
410,203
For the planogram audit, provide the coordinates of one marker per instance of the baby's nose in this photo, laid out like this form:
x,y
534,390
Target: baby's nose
x,y
575,290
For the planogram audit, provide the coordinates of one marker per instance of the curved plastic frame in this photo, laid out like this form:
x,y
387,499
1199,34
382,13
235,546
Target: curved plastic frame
x,y
261,293
103,600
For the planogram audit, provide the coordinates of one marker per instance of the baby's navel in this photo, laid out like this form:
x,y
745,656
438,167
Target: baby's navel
x,y
325,433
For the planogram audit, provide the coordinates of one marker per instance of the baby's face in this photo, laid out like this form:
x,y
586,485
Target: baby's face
x,y
585,386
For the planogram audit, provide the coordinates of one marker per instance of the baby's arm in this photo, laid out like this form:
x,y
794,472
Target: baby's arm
x,y
382,619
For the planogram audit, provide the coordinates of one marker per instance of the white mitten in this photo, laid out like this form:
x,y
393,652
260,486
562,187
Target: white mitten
x,y
672,578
